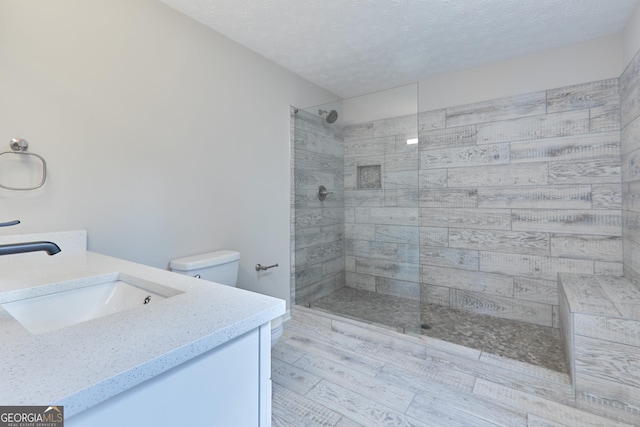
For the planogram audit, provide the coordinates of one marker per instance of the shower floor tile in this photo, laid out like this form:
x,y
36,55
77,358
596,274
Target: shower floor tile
x,y
525,342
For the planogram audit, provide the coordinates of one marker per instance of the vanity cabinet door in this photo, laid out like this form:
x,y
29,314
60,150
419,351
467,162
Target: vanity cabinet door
x,y
219,388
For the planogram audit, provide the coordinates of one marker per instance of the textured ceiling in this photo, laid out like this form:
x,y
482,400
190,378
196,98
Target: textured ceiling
x,y
353,47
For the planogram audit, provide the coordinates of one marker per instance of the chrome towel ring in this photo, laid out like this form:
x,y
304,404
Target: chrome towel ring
x,y
19,147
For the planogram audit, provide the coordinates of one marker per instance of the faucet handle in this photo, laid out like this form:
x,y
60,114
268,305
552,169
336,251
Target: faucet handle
x,y
7,224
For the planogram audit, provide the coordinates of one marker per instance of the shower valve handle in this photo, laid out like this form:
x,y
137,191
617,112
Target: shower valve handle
x,y
322,192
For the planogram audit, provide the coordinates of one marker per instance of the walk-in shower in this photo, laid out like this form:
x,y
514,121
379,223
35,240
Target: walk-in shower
x,y
478,217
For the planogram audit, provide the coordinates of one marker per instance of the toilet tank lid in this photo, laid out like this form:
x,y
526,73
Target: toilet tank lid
x,y
204,260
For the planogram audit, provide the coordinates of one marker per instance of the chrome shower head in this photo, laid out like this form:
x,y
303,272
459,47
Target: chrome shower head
x,y
330,116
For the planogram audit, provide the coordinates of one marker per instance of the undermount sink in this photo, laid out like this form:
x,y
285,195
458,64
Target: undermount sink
x,y
92,298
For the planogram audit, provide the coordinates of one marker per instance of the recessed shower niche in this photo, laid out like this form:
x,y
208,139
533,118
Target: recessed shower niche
x,y
370,177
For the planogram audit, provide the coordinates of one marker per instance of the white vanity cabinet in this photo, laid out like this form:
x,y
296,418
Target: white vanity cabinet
x,y
229,385
199,357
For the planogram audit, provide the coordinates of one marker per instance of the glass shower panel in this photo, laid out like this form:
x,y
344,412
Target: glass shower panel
x,y
372,215
317,155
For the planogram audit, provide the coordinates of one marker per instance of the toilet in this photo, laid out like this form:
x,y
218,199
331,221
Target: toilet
x,y
220,267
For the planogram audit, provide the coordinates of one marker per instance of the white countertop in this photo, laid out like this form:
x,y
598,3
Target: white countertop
x,y
84,364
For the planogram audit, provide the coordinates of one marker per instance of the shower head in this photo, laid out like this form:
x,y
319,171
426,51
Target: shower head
x,y
331,116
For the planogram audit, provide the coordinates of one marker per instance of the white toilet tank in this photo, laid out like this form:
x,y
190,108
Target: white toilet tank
x,y
219,266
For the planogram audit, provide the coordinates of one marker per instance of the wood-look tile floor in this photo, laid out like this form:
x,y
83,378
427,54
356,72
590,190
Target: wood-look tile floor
x,y
331,371
526,342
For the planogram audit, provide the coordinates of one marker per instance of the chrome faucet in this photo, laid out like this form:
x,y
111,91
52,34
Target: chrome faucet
x,y
18,248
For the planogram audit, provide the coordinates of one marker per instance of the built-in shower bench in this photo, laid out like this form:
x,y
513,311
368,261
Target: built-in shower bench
x,y
600,323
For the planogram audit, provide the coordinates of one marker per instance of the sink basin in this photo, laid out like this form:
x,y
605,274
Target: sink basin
x,y
92,298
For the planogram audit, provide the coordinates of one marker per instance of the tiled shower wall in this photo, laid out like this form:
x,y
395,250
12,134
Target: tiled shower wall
x,y
498,198
630,105
381,209
318,258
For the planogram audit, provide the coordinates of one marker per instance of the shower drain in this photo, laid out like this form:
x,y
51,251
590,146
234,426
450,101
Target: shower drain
x,y
425,326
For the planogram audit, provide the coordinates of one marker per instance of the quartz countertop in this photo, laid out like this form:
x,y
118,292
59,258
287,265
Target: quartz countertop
x,y
84,364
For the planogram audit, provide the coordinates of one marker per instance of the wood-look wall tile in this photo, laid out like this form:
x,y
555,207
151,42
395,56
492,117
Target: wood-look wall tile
x,y
400,179
602,268
487,219
434,236
597,222
604,119
432,178
631,74
585,295
631,251
360,231
398,288
358,130
318,142
629,105
432,294
543,197
614,329
602,171
407,197
316,161
587,95
318,289
530,104
450,137
320,253
539,267
630,137
500,241
306,237
631,166
506,308
597,248
494,284
390,269
308,179
403,161
382,250
631,224
397,234
366,147
448,257
363,197
632,196
606,196
449,198
401,125
387,216
430,120
579,147
364,282
537,127
536,290
491,154
496,176
318,217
